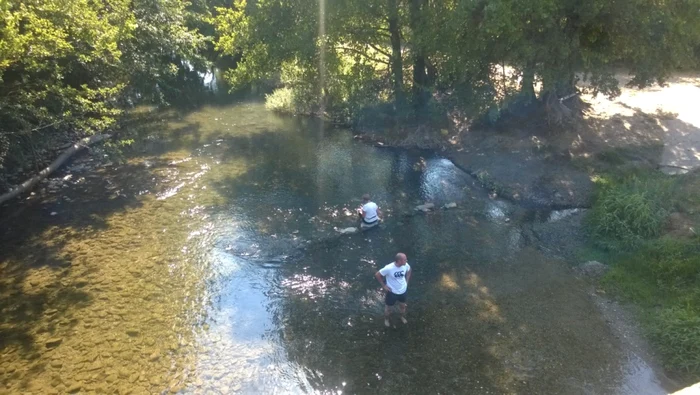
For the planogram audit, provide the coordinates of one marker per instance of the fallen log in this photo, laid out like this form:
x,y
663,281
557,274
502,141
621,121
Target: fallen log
x,y
65,155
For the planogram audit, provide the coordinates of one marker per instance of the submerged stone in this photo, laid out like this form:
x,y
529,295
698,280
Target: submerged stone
x,y
348,231
55,342
425,207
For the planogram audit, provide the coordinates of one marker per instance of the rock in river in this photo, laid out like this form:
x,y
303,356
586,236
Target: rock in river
x,y
55,342
133,332
450,205
593,269
347,231
425,207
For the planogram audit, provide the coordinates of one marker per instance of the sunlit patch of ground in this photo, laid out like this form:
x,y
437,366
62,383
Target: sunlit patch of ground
x,y
659,114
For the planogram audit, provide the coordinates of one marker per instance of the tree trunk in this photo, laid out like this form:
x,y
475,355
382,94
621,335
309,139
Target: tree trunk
x,y
419,75
431,76
396,61
27,185
527,85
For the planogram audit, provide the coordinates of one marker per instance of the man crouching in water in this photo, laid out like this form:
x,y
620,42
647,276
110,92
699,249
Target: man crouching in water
x,y
369,213
398,275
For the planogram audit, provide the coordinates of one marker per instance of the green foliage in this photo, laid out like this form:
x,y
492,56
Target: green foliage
x,y
69,67
281,100
663,277
676,332
630,210
351,62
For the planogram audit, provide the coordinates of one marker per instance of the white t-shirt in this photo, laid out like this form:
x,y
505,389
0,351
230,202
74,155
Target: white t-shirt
x,y
396,277
370,210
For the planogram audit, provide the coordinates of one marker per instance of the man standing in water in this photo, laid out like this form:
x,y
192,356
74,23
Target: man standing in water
x,y
369,213
398,275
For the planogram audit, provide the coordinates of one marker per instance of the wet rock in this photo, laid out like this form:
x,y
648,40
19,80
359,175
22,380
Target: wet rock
x,y
133,332
450,205
50,311
56,364
348,231
74,388
154,357
97,365
593,269
425,207
123,373
53,343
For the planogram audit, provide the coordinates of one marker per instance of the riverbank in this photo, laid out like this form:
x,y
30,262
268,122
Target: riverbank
x,y
530,162
638,146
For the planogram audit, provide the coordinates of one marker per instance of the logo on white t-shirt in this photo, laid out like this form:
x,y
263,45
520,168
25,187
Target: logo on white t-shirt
x,y
396,277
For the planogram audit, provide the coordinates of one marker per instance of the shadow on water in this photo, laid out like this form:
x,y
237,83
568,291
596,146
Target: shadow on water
x,y
210,261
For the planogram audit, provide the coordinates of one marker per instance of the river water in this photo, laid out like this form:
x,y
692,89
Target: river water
x,y
210,262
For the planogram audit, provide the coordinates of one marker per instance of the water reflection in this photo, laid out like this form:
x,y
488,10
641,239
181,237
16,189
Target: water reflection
x,y
216,269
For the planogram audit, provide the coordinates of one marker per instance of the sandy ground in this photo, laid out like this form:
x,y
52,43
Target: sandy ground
x,y
658,114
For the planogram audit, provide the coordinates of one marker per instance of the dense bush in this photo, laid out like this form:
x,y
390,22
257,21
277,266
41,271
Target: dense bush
x,y
630,210
281,100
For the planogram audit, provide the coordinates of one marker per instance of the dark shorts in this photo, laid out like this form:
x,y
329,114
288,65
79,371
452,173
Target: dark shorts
x,y
391,298
376,220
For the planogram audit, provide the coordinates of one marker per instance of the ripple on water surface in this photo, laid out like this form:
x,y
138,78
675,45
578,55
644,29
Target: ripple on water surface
x,y
210,262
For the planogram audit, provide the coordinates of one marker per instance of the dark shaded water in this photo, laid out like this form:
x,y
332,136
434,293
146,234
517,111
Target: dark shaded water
x,y
210,263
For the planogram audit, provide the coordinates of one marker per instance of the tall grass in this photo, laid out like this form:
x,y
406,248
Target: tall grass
x,y
659,273
630,210
663,278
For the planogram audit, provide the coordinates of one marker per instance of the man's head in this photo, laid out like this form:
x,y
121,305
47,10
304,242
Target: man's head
x,y
365,198
401,259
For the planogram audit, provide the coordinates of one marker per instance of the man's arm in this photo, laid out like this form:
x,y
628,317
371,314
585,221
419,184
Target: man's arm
x,y
380,278
379,212
408,276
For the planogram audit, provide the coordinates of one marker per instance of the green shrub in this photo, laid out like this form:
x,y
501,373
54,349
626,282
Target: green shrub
x,y
629,211
281,100
676,332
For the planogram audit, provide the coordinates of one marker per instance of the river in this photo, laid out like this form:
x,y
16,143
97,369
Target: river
x,y
210,262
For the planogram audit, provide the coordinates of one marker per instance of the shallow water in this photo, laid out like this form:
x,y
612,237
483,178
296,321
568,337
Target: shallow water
x,y
211,263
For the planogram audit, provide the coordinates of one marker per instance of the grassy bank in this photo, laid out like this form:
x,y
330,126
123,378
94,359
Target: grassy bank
x,y
646,224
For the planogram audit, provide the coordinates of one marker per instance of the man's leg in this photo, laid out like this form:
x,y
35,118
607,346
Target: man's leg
x,y
389,301
402,309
